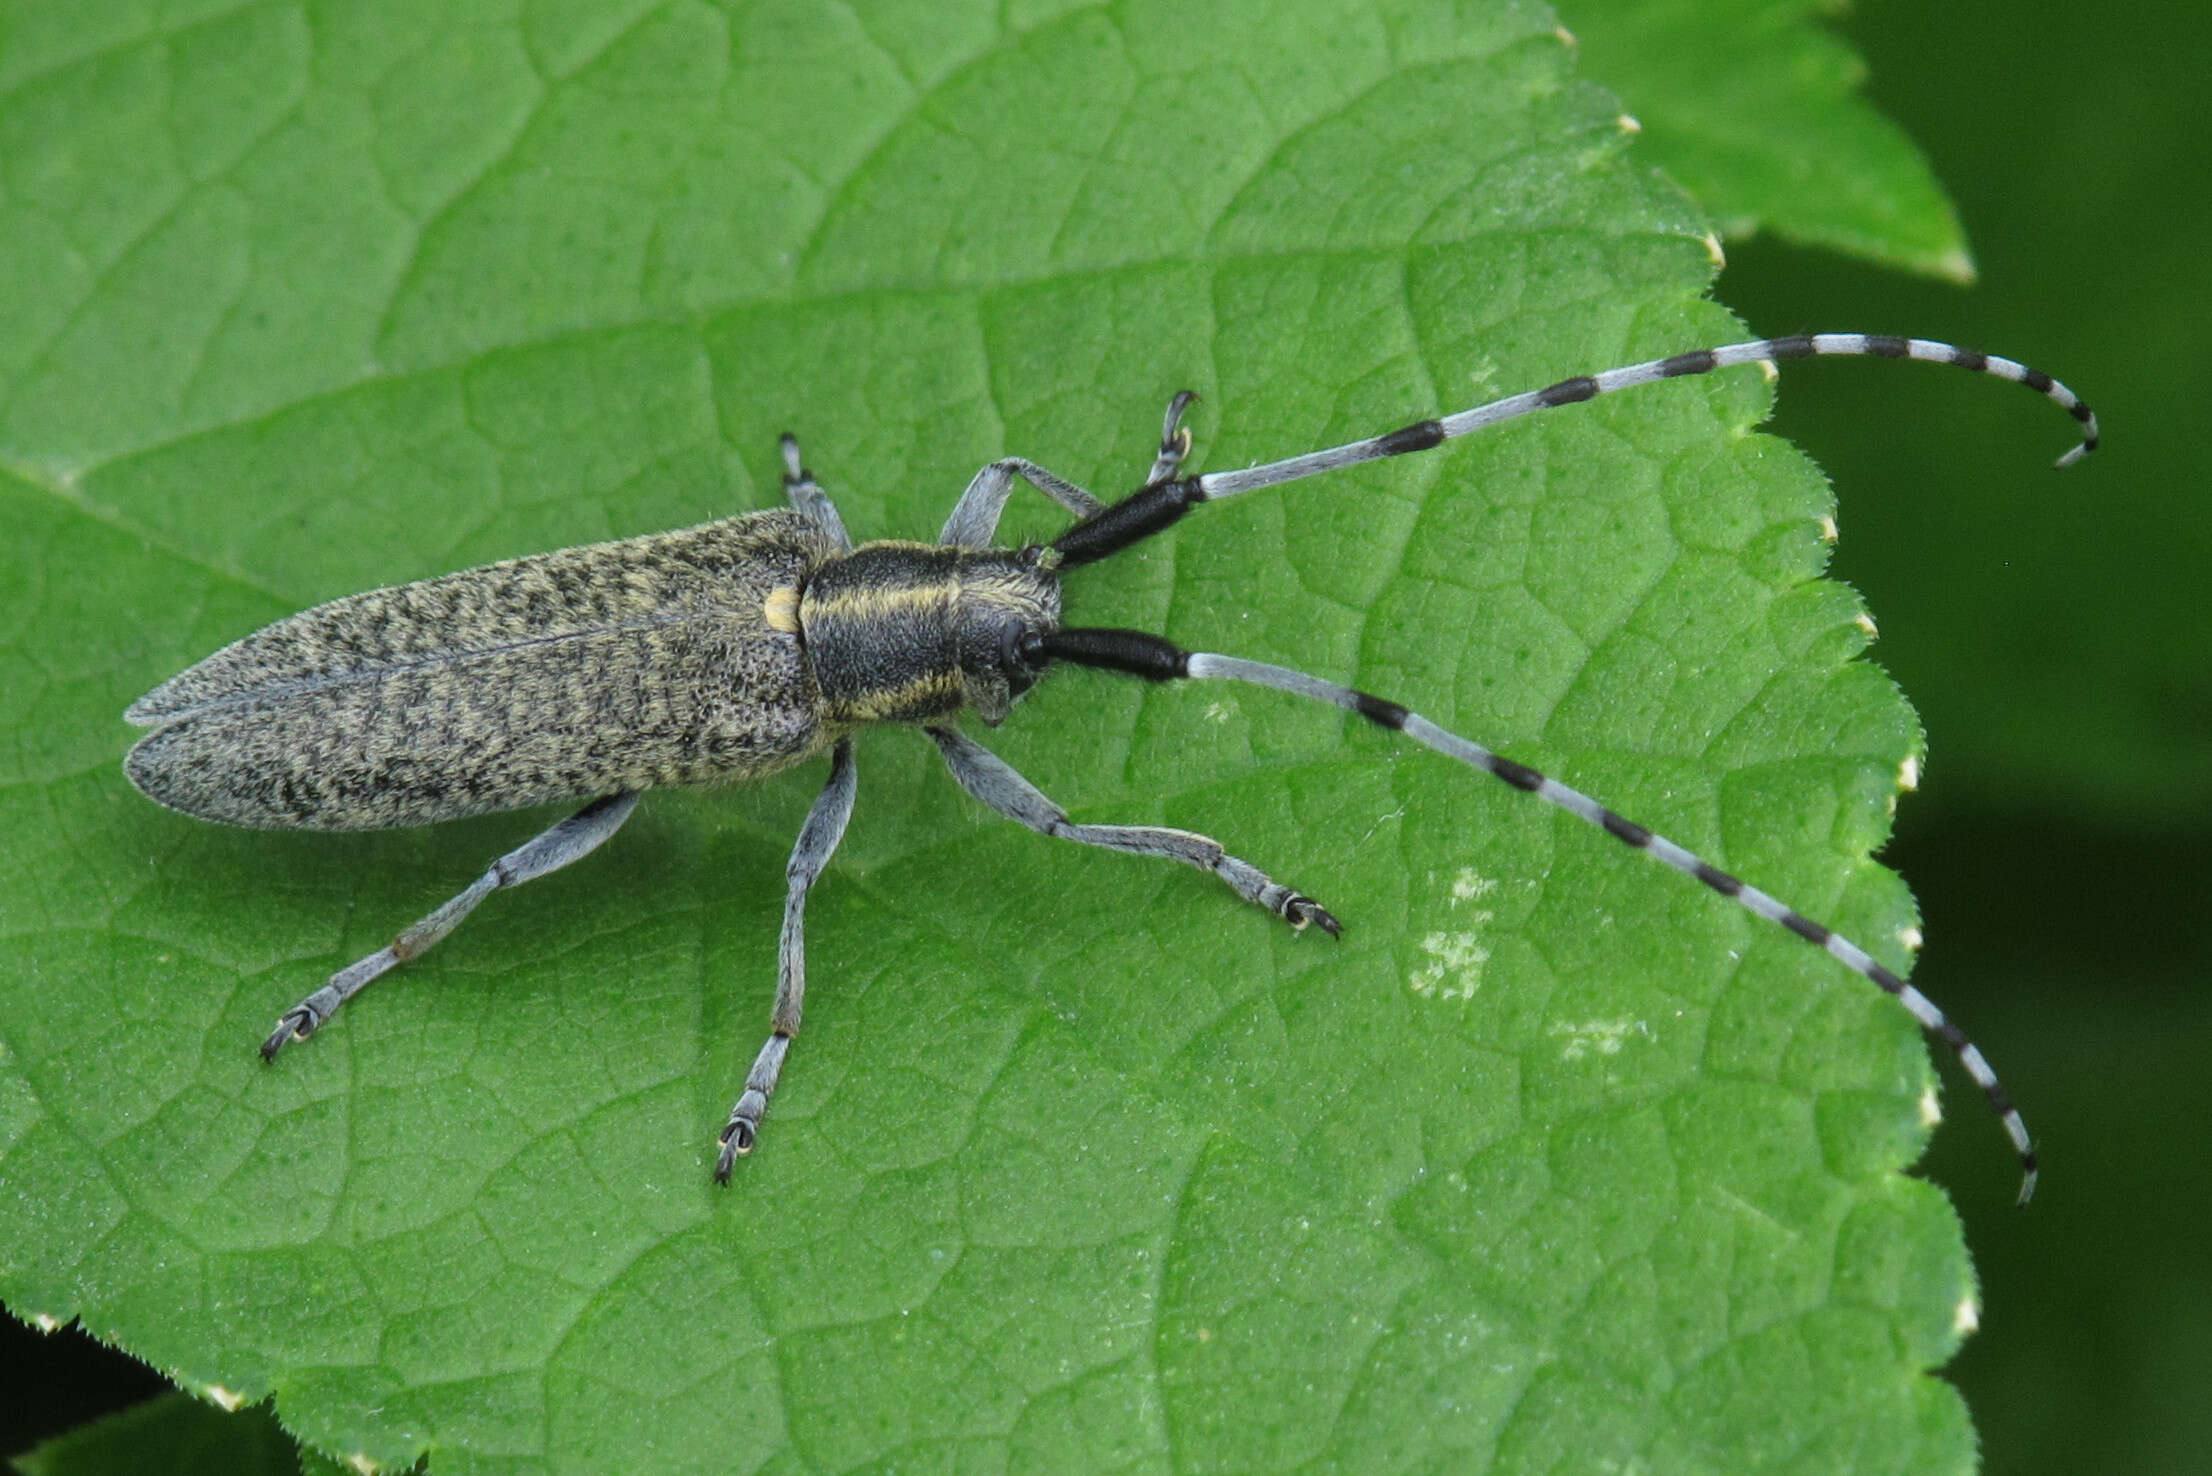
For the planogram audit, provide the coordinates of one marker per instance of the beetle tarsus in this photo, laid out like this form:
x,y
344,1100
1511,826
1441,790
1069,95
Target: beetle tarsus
x,y
1174,440
738,1137
1301,910
298,1023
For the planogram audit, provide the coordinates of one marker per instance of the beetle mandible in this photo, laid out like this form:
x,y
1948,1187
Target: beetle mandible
x,y
740,648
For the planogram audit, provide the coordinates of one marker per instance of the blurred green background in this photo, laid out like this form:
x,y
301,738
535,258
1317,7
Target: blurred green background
x,y
2059,649
2052,633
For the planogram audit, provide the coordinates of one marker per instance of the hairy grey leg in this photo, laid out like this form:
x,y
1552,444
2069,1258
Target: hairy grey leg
x,y
974,520
818,838
807,495
574,837
988,778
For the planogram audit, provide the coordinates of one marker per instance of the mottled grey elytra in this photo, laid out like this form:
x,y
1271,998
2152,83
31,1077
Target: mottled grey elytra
x,y
740,648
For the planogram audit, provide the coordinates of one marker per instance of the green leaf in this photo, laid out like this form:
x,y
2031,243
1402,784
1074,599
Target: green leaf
x,y
2061,623
175,1434
1754,106
1555,1160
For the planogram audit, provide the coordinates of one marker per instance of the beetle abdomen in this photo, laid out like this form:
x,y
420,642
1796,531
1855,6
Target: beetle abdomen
x,y
645,663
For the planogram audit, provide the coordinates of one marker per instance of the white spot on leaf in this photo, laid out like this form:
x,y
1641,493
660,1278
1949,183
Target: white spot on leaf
x,y
1454,969
1602,1037
1469,884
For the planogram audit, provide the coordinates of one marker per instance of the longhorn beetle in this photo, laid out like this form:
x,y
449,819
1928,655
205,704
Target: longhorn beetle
x,y
741,647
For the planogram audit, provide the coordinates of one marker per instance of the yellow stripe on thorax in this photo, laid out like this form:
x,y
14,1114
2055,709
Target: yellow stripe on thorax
x,y
876,602
931,694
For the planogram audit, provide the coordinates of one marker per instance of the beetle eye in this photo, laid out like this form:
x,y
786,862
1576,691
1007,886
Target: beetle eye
x,y
1020,675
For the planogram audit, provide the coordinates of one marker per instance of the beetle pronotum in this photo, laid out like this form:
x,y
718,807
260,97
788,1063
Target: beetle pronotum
x,y
739,648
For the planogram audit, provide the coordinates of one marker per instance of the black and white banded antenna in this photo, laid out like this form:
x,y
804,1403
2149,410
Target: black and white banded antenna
x,y
1166,498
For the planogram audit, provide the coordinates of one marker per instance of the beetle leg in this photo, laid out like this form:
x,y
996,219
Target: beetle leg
x,y
818,838
574,837
987,777
974,520
807,495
